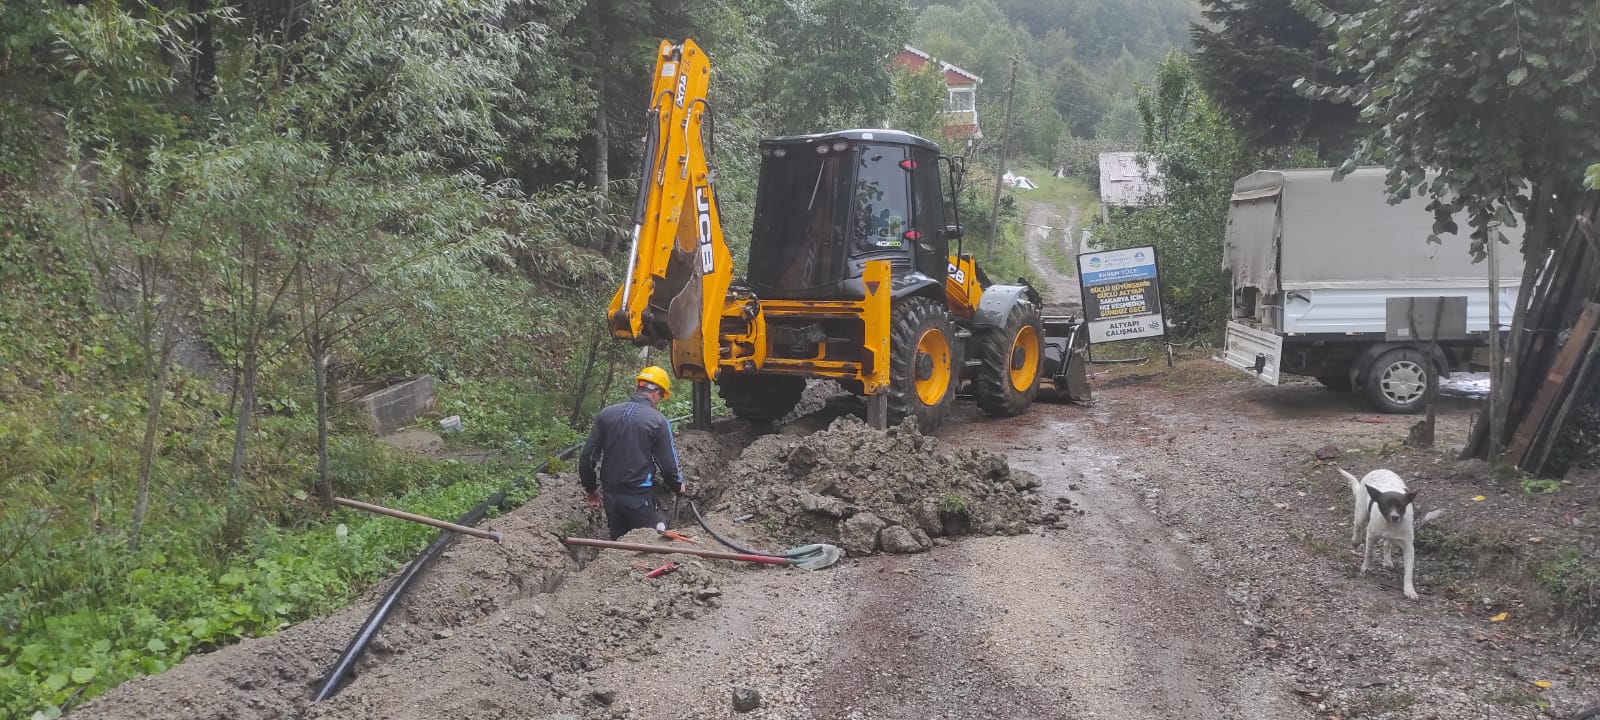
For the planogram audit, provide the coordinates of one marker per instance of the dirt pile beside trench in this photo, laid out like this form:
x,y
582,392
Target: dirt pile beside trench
x,y
870,491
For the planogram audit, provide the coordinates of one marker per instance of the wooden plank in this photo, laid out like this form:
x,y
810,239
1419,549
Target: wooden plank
x,y
1550,435
1554,381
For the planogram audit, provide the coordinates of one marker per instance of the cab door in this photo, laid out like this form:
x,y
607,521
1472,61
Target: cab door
x,y
932,247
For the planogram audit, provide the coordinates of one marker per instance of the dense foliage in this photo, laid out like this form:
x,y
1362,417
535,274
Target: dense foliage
x,y
1077,61
1249,56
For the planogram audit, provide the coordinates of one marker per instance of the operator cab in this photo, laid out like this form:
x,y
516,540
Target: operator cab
x,y
828,203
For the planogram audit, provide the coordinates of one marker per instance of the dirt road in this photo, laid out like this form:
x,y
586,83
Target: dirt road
x,y
1062,294
1104,616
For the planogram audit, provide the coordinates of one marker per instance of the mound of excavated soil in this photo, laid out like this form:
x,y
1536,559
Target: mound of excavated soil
x,y
868,491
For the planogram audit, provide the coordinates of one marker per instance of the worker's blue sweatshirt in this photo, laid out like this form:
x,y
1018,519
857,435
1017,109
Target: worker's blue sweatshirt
x,y
629,435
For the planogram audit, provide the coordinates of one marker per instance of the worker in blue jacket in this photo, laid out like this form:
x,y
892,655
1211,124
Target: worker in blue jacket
x,y
634,439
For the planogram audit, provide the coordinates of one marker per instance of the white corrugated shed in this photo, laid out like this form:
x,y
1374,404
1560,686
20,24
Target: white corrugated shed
x,y
1124,182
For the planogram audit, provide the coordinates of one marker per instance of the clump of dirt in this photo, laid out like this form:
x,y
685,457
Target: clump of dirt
x,y
869,491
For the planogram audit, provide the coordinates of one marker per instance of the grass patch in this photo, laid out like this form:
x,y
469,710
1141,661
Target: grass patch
x,y
953,503
1393,701
1313,542
1532,486
1571,578
1060,192
1055,251
1516,696
1551,578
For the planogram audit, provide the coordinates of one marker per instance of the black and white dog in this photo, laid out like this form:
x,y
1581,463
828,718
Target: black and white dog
x,y
1383,509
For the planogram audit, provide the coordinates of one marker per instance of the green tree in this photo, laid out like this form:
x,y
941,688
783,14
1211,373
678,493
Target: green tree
x,y
1198,154
834,74
1490,108
918,101
127,195
1249,56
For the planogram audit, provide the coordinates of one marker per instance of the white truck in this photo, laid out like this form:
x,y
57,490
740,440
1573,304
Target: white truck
x,y
1331,281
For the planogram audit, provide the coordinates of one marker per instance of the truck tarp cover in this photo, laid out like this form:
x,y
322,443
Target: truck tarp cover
x,y
1345,234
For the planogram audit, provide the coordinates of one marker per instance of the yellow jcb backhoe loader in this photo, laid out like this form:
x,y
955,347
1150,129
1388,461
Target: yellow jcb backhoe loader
x,y
850,275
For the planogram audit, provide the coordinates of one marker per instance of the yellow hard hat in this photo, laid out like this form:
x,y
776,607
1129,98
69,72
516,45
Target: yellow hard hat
x,y
657,377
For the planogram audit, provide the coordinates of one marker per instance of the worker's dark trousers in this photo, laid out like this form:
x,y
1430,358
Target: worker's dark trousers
x,y
628,511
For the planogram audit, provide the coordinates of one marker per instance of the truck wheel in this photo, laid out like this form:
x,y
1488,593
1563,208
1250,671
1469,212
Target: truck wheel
x,y
921,368
1400,380
760,398
1012,356
1336,383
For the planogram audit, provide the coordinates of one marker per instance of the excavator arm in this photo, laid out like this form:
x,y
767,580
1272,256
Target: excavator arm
x,y
679,267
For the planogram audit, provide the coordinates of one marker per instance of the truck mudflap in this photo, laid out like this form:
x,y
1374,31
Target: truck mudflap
x,y
1254,351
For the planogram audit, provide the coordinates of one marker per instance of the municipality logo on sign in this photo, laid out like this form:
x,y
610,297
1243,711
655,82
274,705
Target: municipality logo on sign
x,y
1094,263
1139,256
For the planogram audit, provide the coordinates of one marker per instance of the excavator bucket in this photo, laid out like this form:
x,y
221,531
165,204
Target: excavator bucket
x,y
1066,339
683,313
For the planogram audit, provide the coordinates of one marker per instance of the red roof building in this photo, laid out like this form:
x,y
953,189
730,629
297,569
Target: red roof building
x,y
961,108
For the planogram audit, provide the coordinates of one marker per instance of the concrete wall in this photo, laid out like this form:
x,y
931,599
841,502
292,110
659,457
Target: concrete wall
x,y
398,405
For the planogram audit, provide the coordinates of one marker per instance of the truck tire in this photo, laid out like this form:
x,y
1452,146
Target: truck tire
x,y
921,363
760,398
1400,381
1013,360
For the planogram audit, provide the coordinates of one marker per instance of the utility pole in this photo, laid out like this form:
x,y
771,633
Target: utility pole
x,y
1496,359
1000,170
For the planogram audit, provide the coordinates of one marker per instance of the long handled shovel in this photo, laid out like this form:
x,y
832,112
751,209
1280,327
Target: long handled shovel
x,y
670,549
810,557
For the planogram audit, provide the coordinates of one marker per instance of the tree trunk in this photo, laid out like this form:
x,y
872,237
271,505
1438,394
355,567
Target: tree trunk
x,y
583,381
1503,379
155,395
1546,216
204,71
602,134
247,406
317,344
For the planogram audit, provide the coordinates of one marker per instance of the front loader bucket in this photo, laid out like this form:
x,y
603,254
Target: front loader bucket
x,y
1065,341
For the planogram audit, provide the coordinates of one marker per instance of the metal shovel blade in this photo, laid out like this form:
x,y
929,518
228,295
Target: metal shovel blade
x,y
683,314
823,556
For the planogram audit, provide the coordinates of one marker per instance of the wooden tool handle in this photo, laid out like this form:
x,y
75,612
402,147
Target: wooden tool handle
x,y
403,515
669,549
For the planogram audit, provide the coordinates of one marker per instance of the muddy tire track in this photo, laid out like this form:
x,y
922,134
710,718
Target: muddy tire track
x,y
1060,289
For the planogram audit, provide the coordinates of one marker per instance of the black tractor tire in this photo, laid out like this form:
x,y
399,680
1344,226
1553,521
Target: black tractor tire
x,y
921,363
760,398
1013,361
1401,380
1336,383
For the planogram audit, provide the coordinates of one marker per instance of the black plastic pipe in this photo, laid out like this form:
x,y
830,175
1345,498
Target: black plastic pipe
x,y
340,673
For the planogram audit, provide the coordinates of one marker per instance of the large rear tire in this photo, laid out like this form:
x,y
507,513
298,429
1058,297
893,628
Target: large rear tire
x,y
760,398
921,363
1400,381
1013,360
